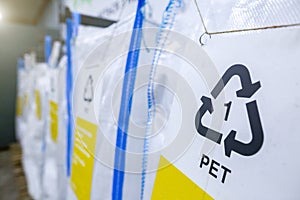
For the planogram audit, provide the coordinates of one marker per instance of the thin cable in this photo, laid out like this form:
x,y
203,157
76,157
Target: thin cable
x,y
161,38
254,29
202,19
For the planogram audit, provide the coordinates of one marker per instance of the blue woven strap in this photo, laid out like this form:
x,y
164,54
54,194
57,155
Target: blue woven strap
x,y
126,102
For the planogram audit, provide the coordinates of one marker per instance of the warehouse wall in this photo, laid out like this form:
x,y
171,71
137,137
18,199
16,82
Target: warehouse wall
x,y
50,18
15,39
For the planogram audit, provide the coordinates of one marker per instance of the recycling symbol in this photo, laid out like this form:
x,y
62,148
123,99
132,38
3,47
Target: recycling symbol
x,y
247,91
88,90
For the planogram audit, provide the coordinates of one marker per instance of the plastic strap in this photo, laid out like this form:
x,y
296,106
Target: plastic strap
x,y
48,41
126,102
76,22
20,63
69,84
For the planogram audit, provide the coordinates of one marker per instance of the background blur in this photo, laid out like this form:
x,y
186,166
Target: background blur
x,y
23,26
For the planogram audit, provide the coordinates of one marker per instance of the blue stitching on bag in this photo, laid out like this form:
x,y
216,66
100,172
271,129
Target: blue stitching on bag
x,y
161,37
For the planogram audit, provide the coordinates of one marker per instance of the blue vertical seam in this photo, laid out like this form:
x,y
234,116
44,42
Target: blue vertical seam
x,y
126,102
69,82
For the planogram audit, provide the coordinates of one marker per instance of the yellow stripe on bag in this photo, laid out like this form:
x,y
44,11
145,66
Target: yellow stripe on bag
x,y
19,110
53,120
171,184
38,104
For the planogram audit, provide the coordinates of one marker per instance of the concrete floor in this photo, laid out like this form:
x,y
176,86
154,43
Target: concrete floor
x,y
8,185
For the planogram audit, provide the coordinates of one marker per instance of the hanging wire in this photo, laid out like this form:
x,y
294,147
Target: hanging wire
x,y
201,17
208,33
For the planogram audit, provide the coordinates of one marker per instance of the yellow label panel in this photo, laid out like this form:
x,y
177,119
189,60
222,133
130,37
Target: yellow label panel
x,y
171,183
53,120
19,109
38,111
83,158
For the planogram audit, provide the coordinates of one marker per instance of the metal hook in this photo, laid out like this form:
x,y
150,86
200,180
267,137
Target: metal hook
x,y
203,38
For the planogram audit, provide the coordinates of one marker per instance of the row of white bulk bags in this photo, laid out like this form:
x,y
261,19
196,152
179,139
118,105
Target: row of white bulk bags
x,y
214,136
41,124
239,153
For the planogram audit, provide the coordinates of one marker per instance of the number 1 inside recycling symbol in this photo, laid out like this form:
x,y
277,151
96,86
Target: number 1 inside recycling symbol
x,y
248,89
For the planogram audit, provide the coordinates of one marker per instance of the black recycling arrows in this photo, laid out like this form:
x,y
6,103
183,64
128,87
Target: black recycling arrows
x,y
248,88
247,91
231,144
204,131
